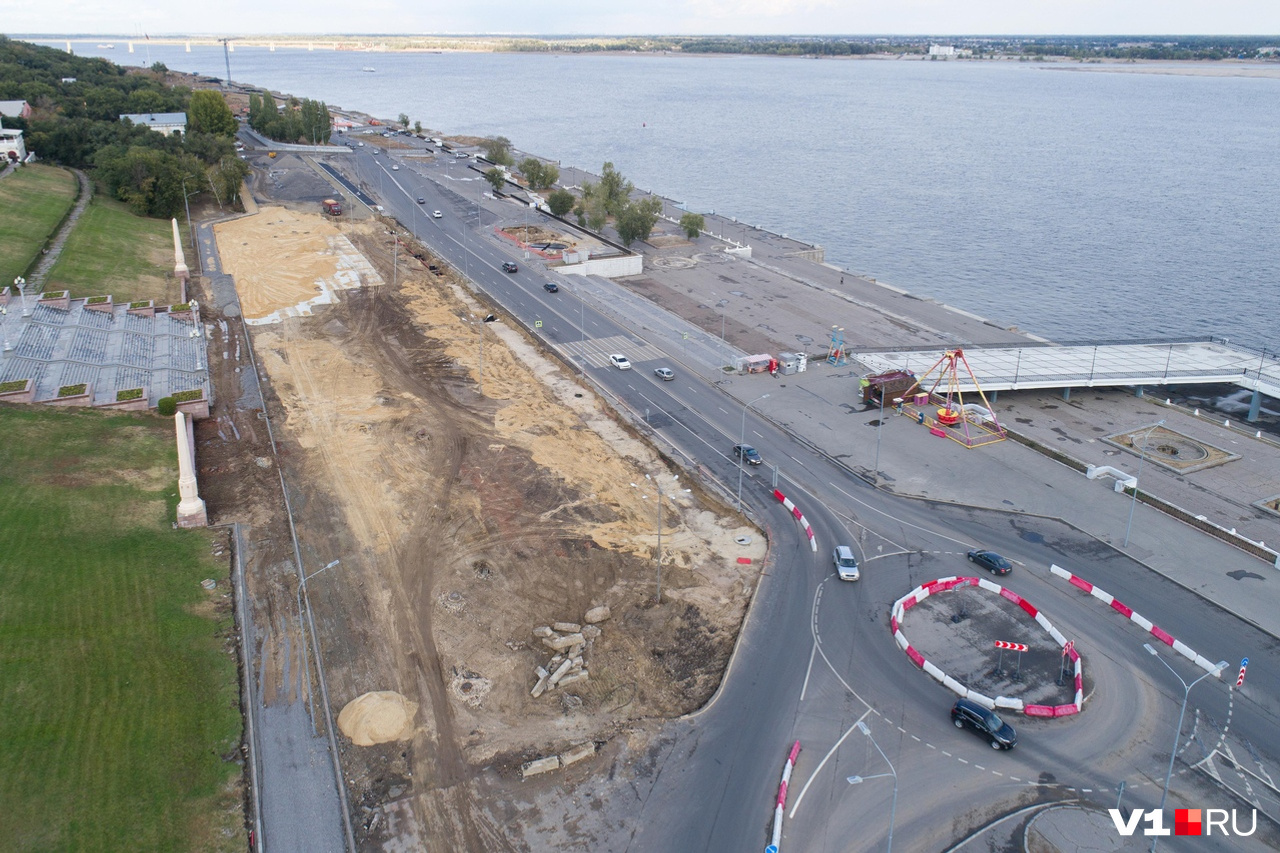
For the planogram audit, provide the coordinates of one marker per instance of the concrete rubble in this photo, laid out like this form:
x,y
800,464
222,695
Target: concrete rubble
x,y
571,642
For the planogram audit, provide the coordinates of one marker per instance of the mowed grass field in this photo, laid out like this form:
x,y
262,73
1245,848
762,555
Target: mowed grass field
x,y
33,201
119,700
113,252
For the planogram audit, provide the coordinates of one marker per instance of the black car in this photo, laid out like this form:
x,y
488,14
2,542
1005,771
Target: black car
x,y
508,266
985,722
550,287
991,561
748,454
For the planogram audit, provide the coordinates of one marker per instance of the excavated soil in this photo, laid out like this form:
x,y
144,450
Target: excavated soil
x,y
463,520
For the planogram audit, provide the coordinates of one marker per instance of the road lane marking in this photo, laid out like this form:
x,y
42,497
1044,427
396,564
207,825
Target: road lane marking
x,y
808,671
830,752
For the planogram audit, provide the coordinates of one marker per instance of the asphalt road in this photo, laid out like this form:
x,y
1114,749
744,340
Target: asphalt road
x,y
816,655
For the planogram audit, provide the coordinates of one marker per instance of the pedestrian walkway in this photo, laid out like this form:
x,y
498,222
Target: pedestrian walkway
x,y
85,194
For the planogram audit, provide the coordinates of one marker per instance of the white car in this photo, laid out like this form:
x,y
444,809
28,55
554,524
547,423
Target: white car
x,y
395,168
435,214
620,361
846,563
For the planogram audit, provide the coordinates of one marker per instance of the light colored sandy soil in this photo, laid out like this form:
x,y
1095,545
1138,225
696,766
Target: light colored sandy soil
x,y
468,520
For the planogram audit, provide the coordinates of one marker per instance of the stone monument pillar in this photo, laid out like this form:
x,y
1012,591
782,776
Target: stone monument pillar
x,y
191,510
179,260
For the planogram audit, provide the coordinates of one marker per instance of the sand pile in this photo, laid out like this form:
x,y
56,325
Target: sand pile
x,y
377,717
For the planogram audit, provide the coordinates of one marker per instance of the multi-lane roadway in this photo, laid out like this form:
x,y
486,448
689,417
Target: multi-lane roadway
x,y
817,656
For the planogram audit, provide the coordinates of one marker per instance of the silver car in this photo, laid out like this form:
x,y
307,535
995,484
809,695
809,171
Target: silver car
x,y
846,563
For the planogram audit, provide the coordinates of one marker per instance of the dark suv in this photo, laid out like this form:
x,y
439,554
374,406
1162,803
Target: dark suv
x,y
507,266
987,723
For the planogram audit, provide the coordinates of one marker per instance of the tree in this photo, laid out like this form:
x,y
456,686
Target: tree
x,y
404,120
496,178
561,202
531,168
615,189
692,224
226,178
637,219
417,128
550,175
208,113
497,149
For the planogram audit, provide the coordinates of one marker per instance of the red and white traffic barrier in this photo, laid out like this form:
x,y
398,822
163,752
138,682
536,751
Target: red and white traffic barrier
x,y
813,543
920,593
781,804
1137,618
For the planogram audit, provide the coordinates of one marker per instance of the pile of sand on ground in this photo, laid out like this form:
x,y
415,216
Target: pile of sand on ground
x,y
377,717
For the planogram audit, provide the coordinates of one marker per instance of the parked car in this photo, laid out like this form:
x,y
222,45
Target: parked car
x,y
664,373
986,723
991,561
509,266
620,361
435,214
550,287
748,454
846,563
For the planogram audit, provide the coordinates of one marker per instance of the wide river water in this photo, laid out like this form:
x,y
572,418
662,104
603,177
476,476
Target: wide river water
x,y
1075,205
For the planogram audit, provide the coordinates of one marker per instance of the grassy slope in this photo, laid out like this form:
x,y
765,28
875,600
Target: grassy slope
x,y
120,695
33,201
111,251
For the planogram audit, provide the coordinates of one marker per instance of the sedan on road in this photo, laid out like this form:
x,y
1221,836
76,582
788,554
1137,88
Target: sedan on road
x,y
421,200
664,373
620,361
991,561
508,266
435,214
550,287
747,454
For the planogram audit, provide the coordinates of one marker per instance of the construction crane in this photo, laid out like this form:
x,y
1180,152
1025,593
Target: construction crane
x,y
226,54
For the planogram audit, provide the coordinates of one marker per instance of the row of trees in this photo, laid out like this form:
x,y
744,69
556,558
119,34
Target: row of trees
x,y
76,107
301,121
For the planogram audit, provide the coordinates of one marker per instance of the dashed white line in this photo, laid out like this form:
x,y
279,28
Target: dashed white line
x,y
962,760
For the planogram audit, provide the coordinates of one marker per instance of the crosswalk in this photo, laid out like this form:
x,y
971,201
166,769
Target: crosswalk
x,y
596,351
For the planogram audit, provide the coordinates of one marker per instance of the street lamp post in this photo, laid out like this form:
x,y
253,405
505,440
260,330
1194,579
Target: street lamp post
x,y
854,780
742,437
191,228
1177,733
21,284
658,485
302,585
1142,454
879,427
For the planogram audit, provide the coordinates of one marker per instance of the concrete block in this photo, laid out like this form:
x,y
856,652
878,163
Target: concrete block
x,y
541,686
575,754
567,627
560,672
575,651
597,614
590,632
542,631
573,678
540,765
566,642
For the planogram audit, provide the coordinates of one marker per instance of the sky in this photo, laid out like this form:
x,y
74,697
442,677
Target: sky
x,y
641,17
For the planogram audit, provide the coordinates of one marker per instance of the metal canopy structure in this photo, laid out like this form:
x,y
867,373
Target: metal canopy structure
x,y
1153,363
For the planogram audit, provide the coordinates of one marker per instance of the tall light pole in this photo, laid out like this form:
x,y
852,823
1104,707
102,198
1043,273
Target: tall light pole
x,y
854,780
302,585
1177,733
21,284
191,228
742,438
1142,454
4,327
657,482
879,426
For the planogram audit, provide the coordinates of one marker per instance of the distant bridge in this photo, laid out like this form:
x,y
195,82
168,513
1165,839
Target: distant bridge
x,y
1016,367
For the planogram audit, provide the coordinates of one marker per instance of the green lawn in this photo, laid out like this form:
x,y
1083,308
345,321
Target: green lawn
x,y
111,251
118,686
33,201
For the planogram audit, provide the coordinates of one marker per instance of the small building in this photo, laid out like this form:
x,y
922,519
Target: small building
x,y
942,50
12,148
170,124
15,109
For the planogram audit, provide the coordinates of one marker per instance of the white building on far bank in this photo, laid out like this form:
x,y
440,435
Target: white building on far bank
x,y
169,124
12,148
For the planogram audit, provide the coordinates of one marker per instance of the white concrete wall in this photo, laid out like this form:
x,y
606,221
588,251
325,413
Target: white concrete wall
x,y
606,267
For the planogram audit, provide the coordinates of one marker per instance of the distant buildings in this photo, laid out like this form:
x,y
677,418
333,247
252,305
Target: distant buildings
x,y
15,109
170,124
12,148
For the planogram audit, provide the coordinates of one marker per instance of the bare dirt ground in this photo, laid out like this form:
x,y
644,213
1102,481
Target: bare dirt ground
x,y
463,521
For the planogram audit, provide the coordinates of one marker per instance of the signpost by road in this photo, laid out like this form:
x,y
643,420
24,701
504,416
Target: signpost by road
x,y
1244,664
1015,647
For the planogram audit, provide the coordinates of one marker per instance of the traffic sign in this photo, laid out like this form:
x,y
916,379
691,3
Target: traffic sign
x,y
772,848
1244,664
1017,647
1066,650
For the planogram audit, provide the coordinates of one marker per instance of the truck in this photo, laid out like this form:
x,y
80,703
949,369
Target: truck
x,y
333,207
879,389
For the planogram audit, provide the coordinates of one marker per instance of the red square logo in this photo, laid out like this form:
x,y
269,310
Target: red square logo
x,y
1186,822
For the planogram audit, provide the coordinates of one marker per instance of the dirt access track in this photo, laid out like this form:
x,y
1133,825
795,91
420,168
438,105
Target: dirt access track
x,y
466,511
